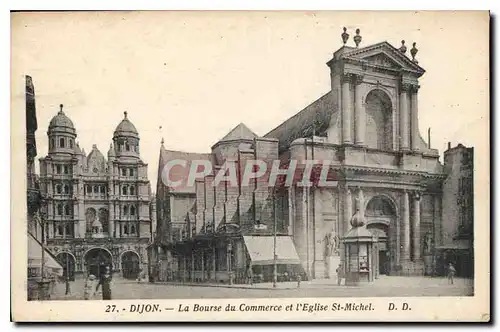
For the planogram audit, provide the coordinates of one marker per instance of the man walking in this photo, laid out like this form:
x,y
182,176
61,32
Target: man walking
x,y
451,273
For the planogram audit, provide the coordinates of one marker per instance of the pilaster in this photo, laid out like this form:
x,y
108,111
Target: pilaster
x,y
359,111
405,255
416,227
404,125
346,109
414,117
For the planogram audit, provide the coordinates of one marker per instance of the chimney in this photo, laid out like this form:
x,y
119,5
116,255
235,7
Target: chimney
x,y
449,145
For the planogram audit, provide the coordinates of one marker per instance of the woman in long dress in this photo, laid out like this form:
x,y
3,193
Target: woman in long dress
x,y
106,284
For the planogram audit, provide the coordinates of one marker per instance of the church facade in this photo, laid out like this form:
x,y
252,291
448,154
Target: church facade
x,y
366,127
96,210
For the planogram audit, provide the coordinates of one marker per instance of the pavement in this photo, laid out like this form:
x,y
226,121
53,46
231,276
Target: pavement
x,y
385,286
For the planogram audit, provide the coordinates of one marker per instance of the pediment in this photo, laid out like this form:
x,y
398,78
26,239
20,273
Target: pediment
x,y
384,55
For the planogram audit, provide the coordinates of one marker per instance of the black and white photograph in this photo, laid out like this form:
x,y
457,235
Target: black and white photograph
x,y
239,165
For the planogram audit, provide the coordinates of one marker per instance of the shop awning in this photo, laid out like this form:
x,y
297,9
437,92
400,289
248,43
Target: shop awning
x,y
261,250
35,257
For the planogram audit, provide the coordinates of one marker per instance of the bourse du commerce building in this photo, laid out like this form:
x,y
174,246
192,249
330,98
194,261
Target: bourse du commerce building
x,y
366,127
97,211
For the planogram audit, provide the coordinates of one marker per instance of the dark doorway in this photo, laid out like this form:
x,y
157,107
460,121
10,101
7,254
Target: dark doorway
x,y
383,262
96,261
68,264
130,265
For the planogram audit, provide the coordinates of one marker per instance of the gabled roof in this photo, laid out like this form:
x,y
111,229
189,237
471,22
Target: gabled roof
x,y
383,55
240,132
315,117
180,172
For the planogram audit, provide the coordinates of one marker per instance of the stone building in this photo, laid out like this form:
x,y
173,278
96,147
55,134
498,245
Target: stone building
x,y
457,244
97,209
366,128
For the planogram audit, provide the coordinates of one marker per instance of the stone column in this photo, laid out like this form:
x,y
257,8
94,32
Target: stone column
x,y
406,227
404,124
416,227
346,109
414,117
359,111
398,241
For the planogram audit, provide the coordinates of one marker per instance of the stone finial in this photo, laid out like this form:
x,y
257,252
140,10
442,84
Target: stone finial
x,y
345,36
414,51
94,146
357,219
61,108
125,114
402,49
357,38
162,141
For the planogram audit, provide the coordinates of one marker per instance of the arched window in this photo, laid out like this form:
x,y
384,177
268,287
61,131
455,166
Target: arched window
x,y
61,142
66,169
66,189
59,209
124,172
66,210
127,147
131,172
132,229
125,229
103,189
124,190
60,230
89,189
125,210
52,143
58,169
132,210
58,189
96,189
379,131
71,143
132,190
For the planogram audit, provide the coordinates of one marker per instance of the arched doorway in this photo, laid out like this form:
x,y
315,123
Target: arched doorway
x,y
380,214
130,265
67,262
96,260
379,128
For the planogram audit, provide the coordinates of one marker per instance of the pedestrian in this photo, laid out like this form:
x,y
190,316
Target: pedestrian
x,y
139,276
106,284
249,275
299,279
88,288
340,274
451,273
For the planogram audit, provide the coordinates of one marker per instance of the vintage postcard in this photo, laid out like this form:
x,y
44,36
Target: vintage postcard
x,y
250,166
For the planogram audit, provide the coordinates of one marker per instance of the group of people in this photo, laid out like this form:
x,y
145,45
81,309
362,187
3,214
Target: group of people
x,y
92,284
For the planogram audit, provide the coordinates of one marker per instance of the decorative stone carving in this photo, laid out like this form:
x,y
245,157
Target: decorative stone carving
x,y
357,38
414,51
402,49
345,38
331,244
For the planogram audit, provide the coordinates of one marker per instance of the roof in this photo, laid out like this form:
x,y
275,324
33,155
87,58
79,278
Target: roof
x,y
125,128
61,121
179,173
241,131
300,125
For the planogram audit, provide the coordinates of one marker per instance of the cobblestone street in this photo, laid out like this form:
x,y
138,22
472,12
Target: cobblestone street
x,y
383,287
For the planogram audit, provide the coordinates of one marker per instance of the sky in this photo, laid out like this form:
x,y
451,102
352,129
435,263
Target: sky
x,y
190,77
